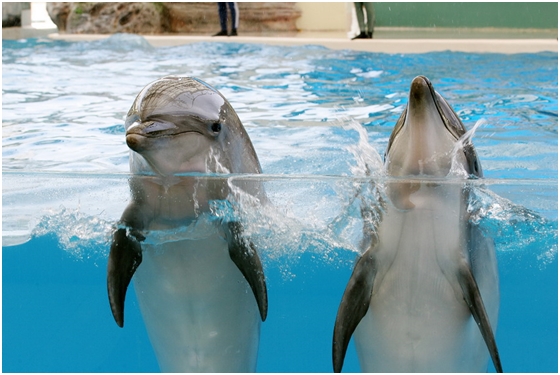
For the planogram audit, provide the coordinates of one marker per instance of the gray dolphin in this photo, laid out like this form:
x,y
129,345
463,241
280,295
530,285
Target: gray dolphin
x,y
202,289
424,296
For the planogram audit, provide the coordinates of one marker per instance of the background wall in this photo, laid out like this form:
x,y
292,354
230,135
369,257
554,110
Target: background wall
x,y
331,16
202,18
508,15
324,16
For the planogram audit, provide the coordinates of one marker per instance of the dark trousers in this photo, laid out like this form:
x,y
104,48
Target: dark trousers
x,y
222,11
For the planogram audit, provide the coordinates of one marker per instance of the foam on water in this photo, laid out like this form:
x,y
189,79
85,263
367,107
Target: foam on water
x,y
82,236
308,215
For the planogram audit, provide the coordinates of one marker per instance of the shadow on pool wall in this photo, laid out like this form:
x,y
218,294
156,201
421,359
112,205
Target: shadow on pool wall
x,y
65,184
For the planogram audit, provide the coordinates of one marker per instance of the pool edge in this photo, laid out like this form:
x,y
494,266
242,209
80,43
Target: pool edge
x,y
392,46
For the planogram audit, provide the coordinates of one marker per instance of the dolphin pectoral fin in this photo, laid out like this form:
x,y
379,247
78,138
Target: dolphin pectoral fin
x,y
124,258
353,307
472,297
245,257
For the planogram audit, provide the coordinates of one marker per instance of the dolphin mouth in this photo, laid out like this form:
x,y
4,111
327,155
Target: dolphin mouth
x,y
161,133
157,128
138,141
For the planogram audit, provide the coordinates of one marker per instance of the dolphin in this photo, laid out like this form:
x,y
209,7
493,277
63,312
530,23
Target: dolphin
x,y
201,290
424,296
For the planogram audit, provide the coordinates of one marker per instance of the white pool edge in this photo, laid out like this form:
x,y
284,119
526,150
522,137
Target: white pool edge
x,y
392,46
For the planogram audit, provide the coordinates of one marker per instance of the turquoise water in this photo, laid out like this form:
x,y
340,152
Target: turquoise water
x,y
315,116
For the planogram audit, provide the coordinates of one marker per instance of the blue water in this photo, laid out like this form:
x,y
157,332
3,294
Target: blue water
x,y
315,117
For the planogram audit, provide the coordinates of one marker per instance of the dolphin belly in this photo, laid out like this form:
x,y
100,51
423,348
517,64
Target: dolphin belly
x,y
199,310
417,320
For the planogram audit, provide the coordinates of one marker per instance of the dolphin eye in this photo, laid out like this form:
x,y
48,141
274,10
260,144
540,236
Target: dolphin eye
x,y
216,127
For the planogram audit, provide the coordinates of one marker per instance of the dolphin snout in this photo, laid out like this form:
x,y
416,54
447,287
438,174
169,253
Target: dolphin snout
x,y
420,80
420,91
135,141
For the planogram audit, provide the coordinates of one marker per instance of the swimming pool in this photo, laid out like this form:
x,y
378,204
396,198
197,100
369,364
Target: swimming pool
x,y
315,117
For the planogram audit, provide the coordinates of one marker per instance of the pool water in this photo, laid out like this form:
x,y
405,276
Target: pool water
x,y
316,118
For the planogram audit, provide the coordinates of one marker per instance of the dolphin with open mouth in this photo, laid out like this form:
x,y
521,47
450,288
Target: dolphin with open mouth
x,y
424,296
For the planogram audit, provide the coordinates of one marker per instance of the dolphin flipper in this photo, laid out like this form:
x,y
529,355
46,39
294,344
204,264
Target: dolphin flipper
x,y
473,299
353,307
245,257
124,258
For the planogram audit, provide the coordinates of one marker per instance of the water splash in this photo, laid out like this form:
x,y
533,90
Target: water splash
x,y
297,218
368,160
325,217
457,168
80,235
514,228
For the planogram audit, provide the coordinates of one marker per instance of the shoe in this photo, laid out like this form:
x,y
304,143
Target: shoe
x,y
370,34
362,35
233,32
221,33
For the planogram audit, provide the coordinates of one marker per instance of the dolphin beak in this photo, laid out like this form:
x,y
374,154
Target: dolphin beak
x,y
424,124
421,91
421,143
137,132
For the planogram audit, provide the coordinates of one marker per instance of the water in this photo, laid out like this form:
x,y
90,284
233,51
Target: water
x,y
317,117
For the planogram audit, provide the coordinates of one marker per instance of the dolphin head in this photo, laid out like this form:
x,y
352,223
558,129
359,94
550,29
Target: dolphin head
x,y
425,139
180,125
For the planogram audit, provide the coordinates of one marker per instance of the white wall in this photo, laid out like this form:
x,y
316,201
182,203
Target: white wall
x,y
324,16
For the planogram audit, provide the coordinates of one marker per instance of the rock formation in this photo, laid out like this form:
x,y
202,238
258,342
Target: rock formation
x,y
108,18
157,18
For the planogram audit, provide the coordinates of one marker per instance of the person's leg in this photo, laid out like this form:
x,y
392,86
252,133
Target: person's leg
x,y
370,12
234,9
360,16
361,23
222,12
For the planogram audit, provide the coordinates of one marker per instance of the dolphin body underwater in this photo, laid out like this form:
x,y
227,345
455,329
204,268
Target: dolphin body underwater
x,y
202,295
424,296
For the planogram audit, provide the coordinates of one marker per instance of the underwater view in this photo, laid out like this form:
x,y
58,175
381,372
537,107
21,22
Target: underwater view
x,y
320,122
